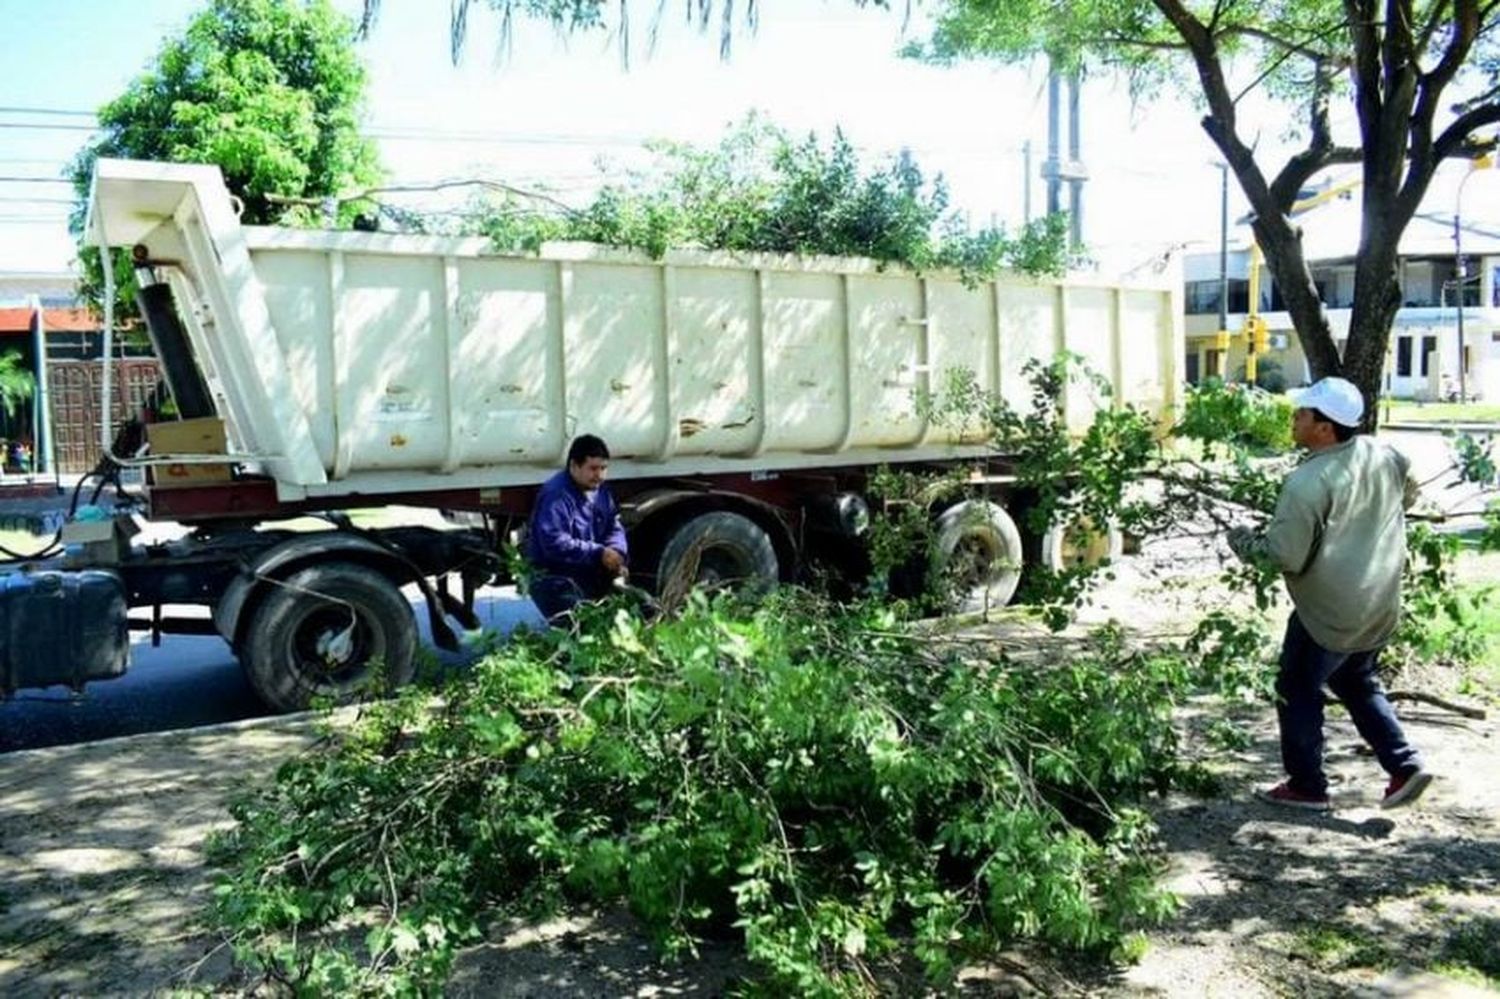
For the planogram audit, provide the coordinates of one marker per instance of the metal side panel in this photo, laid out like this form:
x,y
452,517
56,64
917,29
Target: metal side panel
x,y
1090,326
246,343
961,338
1147,350
715,354
1028,317
184,214
389,362
887,329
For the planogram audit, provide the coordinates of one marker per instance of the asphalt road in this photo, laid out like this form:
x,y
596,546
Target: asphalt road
x,y
1431,462
190,680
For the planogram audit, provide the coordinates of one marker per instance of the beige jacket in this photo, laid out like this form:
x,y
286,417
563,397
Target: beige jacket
x,y
1339,537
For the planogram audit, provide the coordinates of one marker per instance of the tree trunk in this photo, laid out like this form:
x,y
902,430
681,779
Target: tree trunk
x,y
1282,248
1377,297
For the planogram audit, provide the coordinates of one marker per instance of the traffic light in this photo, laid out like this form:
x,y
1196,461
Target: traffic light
x,y
1257,335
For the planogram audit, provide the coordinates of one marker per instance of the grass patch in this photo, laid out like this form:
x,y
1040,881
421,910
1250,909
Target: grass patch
x,y
1131,949
1472,952
1481,616
1440,412
1222,733
1333,947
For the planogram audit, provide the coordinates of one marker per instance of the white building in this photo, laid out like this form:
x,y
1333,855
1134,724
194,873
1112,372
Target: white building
x,y
1423,358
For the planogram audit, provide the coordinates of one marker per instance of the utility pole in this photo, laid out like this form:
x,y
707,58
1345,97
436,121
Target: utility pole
x,y
1026,182
1224,246
1221,341
42,424
1055,169
1052,168
1484,162
1462,268
1076,173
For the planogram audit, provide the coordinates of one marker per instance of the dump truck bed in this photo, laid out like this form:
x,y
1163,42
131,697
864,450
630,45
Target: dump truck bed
x,y
353,362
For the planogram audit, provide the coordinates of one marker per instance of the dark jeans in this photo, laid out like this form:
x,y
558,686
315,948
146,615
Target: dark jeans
x,y
555,596
1305,667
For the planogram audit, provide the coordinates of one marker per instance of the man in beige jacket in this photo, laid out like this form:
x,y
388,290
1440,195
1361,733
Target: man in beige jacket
x,y
1339,538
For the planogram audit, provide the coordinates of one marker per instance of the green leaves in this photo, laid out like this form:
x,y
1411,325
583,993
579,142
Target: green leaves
x,y
271,91
17,385
762,191
1223,417
817,779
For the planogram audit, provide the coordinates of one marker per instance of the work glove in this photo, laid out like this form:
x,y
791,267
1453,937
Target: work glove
x,y
1242,541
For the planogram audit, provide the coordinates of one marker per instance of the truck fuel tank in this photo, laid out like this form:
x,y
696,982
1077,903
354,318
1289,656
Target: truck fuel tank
x,y
61,627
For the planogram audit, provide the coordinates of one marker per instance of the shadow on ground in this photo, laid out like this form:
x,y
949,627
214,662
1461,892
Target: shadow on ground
x,y
1376,902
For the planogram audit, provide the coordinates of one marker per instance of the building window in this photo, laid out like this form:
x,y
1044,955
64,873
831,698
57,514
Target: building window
x,y
1201,298
1471,285
1421,287
1429,348
1403,357
1213,363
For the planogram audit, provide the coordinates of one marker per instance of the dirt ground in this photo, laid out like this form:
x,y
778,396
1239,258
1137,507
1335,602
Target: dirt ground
x,y
102,879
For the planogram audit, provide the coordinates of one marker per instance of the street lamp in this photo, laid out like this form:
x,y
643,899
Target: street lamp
x,y
1221,337
1478,163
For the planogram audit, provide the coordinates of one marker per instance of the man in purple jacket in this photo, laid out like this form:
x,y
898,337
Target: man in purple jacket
x,y
576,544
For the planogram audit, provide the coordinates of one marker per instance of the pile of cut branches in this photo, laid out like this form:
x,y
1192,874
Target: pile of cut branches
x,y
845,798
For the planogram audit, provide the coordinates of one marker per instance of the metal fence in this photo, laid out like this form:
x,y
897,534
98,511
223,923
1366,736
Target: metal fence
x,y
76,388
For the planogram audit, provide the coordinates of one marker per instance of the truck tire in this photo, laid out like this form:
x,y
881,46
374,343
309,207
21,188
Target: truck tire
x,y
1064,548
716,549
361,639
980,541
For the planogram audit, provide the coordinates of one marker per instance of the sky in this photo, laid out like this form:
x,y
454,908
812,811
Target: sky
x,y
547,112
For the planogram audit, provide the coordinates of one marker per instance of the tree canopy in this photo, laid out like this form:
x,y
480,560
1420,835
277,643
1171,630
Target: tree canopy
x,y
760,189
1421,77
269,90
575,15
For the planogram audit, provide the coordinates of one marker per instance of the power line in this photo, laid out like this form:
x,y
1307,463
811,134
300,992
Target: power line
x,y
48,127
407,133
34,180
15,109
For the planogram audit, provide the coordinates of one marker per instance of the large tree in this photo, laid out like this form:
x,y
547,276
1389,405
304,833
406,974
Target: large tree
x,y
270,90
1420,76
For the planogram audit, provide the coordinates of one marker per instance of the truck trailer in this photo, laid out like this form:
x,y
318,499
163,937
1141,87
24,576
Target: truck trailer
x,y
747,400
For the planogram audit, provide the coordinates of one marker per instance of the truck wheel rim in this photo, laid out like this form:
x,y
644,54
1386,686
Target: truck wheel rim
x,y
976,561
717,566
318,650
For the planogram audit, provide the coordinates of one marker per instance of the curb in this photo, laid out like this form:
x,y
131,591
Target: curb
x,y
300,720
1442,427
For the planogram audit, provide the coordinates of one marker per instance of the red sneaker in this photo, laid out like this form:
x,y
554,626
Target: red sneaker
x,y
1405,789
1286,796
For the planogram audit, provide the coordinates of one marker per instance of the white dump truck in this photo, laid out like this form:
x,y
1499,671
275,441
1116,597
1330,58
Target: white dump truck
x,y
746,398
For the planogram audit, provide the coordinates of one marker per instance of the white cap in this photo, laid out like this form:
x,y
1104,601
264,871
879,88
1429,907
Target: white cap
x,y
1335,398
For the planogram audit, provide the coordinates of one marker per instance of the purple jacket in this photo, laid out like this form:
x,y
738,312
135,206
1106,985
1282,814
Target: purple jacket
x,y
570,530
